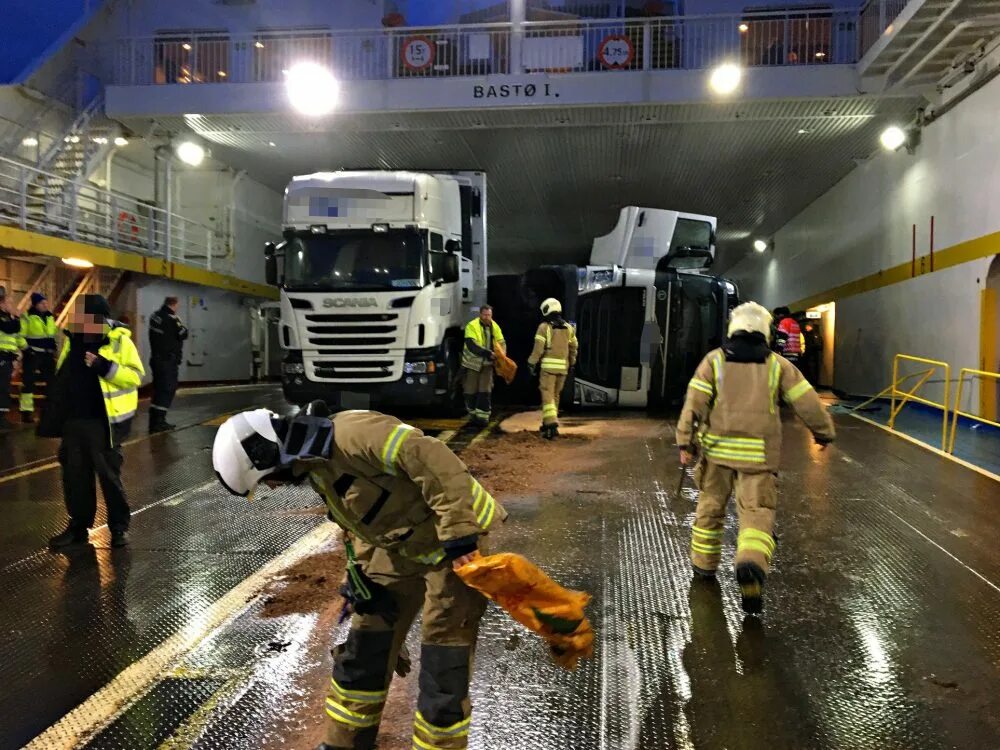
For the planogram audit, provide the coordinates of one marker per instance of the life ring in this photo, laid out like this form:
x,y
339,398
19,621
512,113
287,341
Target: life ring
x,y
127,224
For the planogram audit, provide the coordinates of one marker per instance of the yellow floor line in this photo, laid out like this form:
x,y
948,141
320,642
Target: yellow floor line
x,y
931,448
485,433
83,722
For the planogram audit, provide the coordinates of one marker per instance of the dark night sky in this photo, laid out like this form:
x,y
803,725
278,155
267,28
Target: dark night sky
x,y
30,26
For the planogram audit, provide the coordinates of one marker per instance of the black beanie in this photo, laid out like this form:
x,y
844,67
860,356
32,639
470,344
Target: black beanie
x,y
95,304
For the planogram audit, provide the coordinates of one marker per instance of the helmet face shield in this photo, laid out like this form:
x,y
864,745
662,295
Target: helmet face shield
x,y
257,444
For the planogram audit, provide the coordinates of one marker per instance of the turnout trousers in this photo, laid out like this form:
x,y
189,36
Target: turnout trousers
x,y
36,367
550,384
756,499
364,663
85,456
478,390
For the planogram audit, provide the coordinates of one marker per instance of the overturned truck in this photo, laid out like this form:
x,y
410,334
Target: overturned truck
x,y
645,308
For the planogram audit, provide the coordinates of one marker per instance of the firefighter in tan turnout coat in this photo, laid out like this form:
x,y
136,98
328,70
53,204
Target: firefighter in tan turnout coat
x,y
555,352
411,512
732,415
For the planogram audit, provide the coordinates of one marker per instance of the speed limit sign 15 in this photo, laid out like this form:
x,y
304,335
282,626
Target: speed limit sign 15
x,y
417,53
616,52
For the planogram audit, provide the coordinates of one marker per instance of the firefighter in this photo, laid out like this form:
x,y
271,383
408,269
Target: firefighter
x,y
790,332
92,401
411,513
481,336
555,353
38,329
166,343
732,413
11,345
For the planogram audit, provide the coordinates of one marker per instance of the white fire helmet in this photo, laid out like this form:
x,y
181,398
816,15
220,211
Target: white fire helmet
x,y
551,305
246,450
752,318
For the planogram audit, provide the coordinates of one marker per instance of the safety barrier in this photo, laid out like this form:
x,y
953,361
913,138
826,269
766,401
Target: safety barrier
x,y
41,201
910,395
957,411
767,38
876,17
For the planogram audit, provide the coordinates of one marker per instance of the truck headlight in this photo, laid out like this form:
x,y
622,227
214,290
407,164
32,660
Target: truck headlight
x,y
418,368
293,368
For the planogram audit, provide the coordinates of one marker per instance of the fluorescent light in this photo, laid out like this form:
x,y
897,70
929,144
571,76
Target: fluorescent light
x,y
759,245
804,131
30,141
312,89
190,153
744,27
258,44
186,46
77,262
100,140
222,74
725,79
272,144
892,138
121,141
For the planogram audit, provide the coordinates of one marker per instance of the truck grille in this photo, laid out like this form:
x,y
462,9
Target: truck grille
x,y
358,369
361,332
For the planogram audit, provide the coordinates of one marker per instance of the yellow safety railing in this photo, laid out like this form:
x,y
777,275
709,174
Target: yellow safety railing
x,y
957,411
910,395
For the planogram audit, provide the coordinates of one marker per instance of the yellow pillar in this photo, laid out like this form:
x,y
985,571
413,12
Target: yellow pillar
x,y
988,353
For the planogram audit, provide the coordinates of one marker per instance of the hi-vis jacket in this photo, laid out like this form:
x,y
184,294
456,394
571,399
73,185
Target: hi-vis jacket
x,y
734,407
11,341
478,349
555,347
390,486
39,331
120,384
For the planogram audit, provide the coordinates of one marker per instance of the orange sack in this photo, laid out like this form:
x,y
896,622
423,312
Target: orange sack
x,y
536,601
503,365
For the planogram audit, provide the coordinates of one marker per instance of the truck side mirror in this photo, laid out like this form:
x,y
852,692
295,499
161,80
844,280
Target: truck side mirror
x,y
451,272
271,263
453,246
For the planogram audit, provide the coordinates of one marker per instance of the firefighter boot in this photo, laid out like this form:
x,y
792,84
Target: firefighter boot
x,y
751,580
158,421
27,417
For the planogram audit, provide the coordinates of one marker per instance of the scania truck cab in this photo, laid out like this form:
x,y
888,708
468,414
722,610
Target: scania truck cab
x,y
378,272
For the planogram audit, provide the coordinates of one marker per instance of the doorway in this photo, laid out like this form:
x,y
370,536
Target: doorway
x,y
819,330
989,342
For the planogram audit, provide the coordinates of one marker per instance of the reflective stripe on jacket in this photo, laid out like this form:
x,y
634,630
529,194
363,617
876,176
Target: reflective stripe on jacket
x,y
475,332
39,331
391,486
11,341
555,348
120,385
732,407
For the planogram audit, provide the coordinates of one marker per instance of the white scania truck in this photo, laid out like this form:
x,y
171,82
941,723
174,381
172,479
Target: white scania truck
x,y
379,271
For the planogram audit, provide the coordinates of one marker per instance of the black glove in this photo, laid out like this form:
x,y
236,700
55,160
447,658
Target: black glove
x,y
456,548
533,369
570,371
366,597
317,408
822,440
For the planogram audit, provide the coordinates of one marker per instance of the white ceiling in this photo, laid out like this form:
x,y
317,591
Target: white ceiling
x,y
558,176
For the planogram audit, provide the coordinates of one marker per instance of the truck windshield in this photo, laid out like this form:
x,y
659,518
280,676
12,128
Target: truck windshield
x,y
355,260
691,244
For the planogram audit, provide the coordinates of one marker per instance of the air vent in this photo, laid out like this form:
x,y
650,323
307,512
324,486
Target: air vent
x,y
300,304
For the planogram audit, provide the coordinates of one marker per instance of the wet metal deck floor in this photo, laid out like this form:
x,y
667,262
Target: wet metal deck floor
x,y
881,628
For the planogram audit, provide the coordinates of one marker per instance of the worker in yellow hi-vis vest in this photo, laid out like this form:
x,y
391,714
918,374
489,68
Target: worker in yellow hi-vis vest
x,y
555,354
38,329
478,356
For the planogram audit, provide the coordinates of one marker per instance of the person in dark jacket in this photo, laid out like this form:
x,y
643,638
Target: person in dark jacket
x,y
11,345
166,341
93,400
38,329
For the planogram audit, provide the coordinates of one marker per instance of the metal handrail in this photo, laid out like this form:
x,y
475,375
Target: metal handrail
x,y
910,395
957,411
32,198
772,38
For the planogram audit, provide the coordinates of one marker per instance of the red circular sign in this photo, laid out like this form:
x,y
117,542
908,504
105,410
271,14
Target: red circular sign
x,y
616,52
417,53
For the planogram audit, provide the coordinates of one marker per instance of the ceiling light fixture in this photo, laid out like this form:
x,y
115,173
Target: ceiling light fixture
x,y
30,141
312,89
77,262
725,79
744,27
190,153
759,245
121,141
892,138
186,47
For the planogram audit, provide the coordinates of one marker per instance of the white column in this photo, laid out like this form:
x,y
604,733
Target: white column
x,y
518,15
